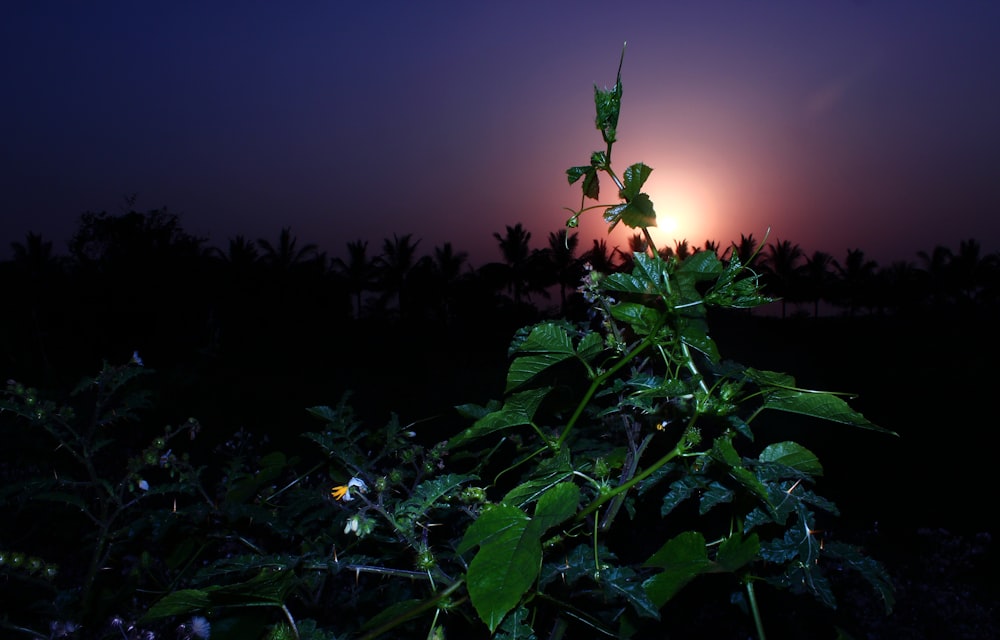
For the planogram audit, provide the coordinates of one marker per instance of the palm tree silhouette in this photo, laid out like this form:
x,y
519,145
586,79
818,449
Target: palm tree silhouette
x,y
781,261
817,278
711,245
970,272
241,254
515,251
935,265
563,263
745,251
636,244
682,249
447,271
286,255
393,269
33,258
599,257
356,273
858,277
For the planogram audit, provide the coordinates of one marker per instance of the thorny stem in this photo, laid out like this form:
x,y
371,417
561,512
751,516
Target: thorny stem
x,y
600,380
627,473
678,450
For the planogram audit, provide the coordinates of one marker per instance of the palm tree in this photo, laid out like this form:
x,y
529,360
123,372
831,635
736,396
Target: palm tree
x,y
241,253
682,249
858,278
447,269
817,278
33,257
394,266
745,251
904,286
782,263
636,244
285,255
969,272
357,272
599,257
566,268
712,245
936,265
515,250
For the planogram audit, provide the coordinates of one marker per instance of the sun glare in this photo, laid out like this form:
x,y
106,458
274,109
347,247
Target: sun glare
x,y
683,206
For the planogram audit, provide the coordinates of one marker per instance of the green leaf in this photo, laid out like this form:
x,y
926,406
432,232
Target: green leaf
x,y
516,626
550,473
681,490
794,455
869,569
609,104
70,499
703,265
737,551
507,564
591,182
695,335
625,282
635,176
591,346
473,411
637,213
644,320
715,494
682,559
548,345
621,582
428,494
723,451
518,410
781,394
825,406
510,550
556,506
267,588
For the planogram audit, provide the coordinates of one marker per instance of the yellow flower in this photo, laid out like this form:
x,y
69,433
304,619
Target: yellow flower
x,y
343,491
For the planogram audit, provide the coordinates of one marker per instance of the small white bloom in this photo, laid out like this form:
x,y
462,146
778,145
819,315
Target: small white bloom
x,y
200,627
143,485
343,491
352,525
136,359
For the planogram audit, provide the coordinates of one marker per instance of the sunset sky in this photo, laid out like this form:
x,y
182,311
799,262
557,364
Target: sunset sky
x,y
869,124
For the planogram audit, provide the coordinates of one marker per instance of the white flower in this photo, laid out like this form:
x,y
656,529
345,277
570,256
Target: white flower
x,y
143,485
343,492
352,524
136,359
200,627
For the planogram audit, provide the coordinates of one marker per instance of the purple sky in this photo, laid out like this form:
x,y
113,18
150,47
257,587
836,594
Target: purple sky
x,y
839,124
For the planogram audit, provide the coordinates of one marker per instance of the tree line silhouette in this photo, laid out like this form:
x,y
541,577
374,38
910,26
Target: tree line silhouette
x,y
138,280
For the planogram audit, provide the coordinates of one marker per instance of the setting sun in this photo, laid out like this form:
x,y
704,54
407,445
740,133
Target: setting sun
x,y
685,207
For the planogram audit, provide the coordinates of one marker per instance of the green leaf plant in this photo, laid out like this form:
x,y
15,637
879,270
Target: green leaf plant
x,y
633,465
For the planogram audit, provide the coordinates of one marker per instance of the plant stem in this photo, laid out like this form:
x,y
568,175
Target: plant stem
x,y
622,488
601,379
752,597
